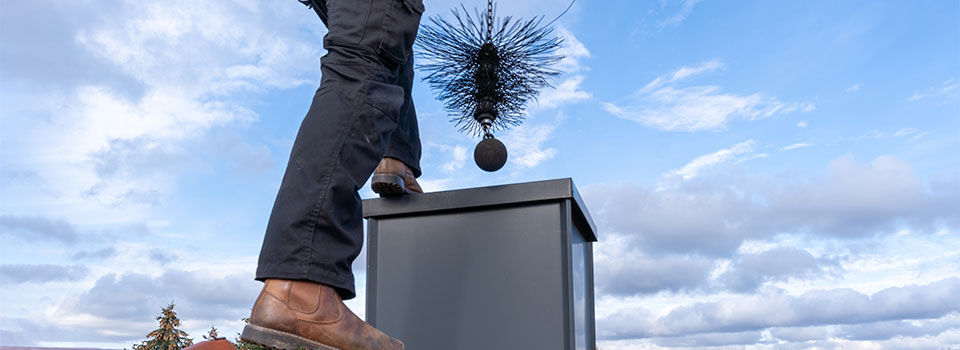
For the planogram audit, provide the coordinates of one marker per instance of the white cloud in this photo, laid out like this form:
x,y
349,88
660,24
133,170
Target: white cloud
x,y
853,200
459,154
908,134
640,321
686,7
621,270
624,268
750,271
525,144
686,72
665,105
905,132
569,89
682,73
38,228
142,139
123,305
436,185
927,336
795,146
859,199
697,164
817,307
942,90
246,157
573,51
159,91
802,124
11,274
226,52
854,88
189,60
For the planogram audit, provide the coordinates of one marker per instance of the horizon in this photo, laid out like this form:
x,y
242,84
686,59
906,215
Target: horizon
x,y
763,175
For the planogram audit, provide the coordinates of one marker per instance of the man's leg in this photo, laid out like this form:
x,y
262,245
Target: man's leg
x,y
315,229
397,173
405,140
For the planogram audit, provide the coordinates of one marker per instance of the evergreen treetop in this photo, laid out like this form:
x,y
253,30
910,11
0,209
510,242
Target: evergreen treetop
x,y
168,336
212,334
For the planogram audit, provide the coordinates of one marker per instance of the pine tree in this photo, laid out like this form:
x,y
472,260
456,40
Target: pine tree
x,y
168,336
212,334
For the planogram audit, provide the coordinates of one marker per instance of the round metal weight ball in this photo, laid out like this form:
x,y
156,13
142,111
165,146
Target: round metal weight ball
x,y
490,154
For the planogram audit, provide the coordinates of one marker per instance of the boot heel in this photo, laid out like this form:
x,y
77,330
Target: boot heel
x,y
388,185
280,340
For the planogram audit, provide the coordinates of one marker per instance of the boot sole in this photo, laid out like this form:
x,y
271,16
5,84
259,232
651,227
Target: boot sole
x,y
280,340
387,185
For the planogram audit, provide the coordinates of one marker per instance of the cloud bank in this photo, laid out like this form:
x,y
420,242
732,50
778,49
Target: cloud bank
x,y
666,104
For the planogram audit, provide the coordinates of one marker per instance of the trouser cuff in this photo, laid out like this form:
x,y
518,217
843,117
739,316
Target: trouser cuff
x,y
345,287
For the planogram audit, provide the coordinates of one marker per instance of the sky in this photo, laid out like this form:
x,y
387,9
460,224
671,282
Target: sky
x,y
763,174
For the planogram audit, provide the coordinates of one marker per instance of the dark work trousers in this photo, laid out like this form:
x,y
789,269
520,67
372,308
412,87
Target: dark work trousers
x,y
361,112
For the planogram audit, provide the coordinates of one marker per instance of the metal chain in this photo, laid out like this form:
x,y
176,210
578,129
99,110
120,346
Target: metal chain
x,y
489,19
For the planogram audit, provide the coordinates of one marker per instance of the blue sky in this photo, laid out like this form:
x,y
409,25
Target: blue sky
x,y
763,174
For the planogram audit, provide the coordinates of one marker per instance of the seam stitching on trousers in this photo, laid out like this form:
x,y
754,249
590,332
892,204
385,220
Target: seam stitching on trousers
x,y
322,198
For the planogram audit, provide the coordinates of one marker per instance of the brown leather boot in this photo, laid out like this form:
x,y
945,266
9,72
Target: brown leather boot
x,y
290,314
393,178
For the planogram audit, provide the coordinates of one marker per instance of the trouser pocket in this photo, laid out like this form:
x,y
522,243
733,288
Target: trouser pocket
x,y
348,21
384,28
399,29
